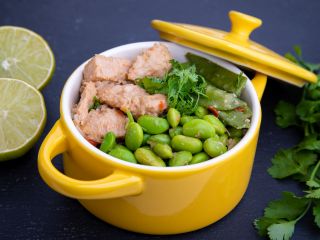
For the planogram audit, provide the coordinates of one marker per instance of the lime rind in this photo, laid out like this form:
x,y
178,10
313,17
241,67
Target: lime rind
x,y
20,72
29,141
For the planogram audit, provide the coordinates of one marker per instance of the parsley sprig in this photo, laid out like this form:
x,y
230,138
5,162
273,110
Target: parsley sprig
x,y
300,162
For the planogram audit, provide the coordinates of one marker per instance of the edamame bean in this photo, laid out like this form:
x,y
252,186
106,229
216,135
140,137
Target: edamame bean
x,y
214,148
119,146
145,138
123,153
163,150
185,119
108,142
216,123
173,117
159,138
224,139
175,131
147,157
134,136
201,112
198,128
180,159
184,143
199,157
233,132
153,125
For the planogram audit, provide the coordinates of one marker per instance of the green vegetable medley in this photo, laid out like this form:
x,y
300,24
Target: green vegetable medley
x,y
205,117
300,162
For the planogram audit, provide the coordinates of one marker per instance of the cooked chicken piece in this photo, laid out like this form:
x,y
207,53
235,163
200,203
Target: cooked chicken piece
x,y
153,62
103,120
131,97
101,68
80,110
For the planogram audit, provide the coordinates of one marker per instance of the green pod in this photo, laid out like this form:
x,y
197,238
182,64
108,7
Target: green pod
x,y
216,123
198,128
224,139
175,131
163,150
213,147
173,117
153,125
201,112
235,133
199,157
184,143
181,158
123,153
146,136
109,141
185,119
147,157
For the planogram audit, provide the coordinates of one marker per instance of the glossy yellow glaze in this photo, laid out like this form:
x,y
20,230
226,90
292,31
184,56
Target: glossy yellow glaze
x,y
144,200
236,46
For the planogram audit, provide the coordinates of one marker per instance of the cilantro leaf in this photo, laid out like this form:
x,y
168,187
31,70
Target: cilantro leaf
x,y
309,111
290,161
316,213
289,207
96,103
285,114
281,231
313,193
262,224
310,142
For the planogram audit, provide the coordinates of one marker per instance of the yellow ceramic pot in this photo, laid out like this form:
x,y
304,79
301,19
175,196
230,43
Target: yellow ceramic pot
x,y
143,198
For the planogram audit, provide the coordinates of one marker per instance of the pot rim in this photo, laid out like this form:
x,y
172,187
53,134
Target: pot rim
x,y
66,116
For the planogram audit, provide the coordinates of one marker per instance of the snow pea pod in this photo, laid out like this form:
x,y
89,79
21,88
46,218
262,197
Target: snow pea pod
x,y
147,157
153,125
184,143
180,159
173,117
198,128
235,118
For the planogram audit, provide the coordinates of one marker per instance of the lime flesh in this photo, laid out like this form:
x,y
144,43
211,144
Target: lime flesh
x,y
26,56
22,117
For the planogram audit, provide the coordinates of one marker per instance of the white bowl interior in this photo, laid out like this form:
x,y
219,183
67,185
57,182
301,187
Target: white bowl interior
x,y
70,96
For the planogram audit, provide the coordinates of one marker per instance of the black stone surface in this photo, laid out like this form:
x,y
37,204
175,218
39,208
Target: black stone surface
x,y
78,29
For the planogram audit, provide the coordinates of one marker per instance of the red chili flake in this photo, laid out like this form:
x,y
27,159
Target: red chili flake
x,y
214,111
239,109
161,106
94,143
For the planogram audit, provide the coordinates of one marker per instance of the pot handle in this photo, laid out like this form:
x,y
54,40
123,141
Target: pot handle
x,y
117,184
259,83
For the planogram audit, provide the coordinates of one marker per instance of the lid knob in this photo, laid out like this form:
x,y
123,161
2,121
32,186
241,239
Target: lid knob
x,y
242,25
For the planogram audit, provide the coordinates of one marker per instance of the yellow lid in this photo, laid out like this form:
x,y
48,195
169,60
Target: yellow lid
x,y
235,46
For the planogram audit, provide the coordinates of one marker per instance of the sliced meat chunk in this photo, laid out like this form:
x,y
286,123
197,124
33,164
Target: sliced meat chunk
x,y
153,62
101,68
103,120
80,110
131,97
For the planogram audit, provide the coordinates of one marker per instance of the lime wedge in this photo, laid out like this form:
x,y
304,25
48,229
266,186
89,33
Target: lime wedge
x,y
22,117
25,55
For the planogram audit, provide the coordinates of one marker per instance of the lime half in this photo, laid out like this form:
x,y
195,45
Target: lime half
x,y
25,55
22,117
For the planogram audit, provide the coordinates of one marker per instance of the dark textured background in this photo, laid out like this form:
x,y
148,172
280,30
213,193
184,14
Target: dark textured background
x,y
76,30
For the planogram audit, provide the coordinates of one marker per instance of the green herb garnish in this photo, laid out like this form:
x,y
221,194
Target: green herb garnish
x,y
182,85
300,162
96,103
